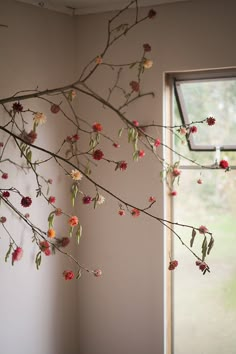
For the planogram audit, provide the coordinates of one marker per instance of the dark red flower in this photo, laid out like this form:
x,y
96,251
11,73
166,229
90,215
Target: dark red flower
x,y
65,241
173,193
122,165
45,247
51,199
135,212
193,129
211,121
5,175
6,194
97,127
152,13
135,86
98,155
87,199
17,107
116,145
17,254
147,47
202,265
26,202
173,265
55,108
32,136
224,164
68,274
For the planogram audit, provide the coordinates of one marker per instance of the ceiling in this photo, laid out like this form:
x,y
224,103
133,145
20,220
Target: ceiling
x,y
82,7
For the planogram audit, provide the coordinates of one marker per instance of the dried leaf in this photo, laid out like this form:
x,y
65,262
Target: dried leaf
x,y
194,232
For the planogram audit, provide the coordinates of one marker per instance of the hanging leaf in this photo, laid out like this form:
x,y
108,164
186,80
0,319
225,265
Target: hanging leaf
x,y
74,191
120,132
71,231
9,251
79,274
79,233
38,259
204,248
210,245
194,232
51,219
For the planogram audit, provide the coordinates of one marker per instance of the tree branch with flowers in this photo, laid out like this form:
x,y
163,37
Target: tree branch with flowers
x,y
23,126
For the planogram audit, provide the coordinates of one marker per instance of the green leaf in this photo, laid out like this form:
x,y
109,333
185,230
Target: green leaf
x,y
9,251
120,132
71,231
194,232
38,259
210,245
51,219
204,248
79,274
135,156
79,233
74,191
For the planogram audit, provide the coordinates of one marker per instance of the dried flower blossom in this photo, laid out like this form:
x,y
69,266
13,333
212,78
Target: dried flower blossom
x,y
203,229
86,199
199,181
173,265
17,254
141,153
135,212
173,193
147,64
45,247
135,86
1,144
122,165
152,13
17,107
76,175
176,172
55,108
211,121
26,202
193,129
116,145
68,274
136,123
3,219
98,155
51,199
58,212
202,265
183,131
6,194
97,127
152,199
27,215
64,241
97,272
98,60
73,221
101,199
51,233
50,181
39,118
121,212
157,142
224,164
71,95
5,175
147,47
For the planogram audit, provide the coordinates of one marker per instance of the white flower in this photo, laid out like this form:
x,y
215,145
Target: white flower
x,y
76,175
39,118
147,64
101,199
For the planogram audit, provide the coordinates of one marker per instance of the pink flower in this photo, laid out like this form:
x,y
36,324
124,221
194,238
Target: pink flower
x,y
173,193
224,164
68,274
73,221
135,86
27,215
98,155
17,254
202,265
6,194
136,123
51,199
157,142
199,181
97,127
86,199
135,212
152,199
193,129
97,272
202,229
3,219
147,47
121,212
116,145
5,175
141,153
55,108
122,165
26,202
173,265
152,13
183,131
45,247
176,172
75,137
211,121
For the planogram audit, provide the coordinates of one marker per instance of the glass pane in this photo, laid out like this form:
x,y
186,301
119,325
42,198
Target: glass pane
x,y
204,306
214,98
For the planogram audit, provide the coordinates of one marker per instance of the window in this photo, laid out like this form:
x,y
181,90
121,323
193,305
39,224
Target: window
x,y
204,306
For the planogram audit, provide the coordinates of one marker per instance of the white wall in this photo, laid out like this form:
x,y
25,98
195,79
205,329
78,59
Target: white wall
x,y
123,311
37,312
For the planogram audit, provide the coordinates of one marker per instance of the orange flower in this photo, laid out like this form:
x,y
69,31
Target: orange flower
x,y
73,221
51,233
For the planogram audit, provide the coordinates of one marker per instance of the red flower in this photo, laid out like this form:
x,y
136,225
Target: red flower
x,y
97,272
157,142
176,172
121,212
141,153
199,181
68,274
97,127
147,47
122,165
203,229
98,155
152,199
173,265
26,202
173,193
135,212
17,107
135,86
75,137
86,199
211,121
136,123
3,219
45,247
224,164
116,145
6,194
152,13
50,181
55,108
193,129
17,254
51,199
202,265
5,175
